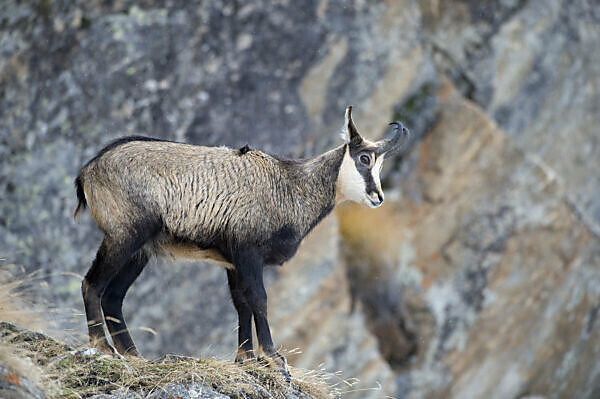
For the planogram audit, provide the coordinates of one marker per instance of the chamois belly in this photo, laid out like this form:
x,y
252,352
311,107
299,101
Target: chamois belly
x,y
193,252
282,246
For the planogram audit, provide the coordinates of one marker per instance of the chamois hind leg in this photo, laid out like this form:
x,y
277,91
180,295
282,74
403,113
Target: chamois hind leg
x,y
249,266
109,259
245,349
112,302
113,254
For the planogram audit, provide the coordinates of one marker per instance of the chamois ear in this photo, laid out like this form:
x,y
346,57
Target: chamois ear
x,y
350,132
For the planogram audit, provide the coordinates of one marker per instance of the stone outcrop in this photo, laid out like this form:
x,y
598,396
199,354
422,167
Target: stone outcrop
x,y
13,385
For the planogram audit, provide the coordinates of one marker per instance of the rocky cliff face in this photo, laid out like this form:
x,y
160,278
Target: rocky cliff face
x,y
493,278
535,72
476,279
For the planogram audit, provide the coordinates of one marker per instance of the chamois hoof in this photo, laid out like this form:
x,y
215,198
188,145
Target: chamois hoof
x,y
286,375
244,356
276,362
132,352
104,347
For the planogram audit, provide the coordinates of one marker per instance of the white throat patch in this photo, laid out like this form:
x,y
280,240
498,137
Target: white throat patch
x,y
350,184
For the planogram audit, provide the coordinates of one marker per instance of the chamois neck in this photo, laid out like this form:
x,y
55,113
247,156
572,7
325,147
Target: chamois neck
x,y
310,186
325,166
321,173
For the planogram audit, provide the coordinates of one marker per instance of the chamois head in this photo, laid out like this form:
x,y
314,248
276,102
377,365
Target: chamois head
x,y
358,179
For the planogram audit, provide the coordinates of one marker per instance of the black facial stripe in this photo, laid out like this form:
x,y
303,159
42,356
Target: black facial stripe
x,y
366,174
367,177
365,171
370,183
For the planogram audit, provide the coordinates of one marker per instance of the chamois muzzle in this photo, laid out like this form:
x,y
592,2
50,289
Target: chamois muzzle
x,y
400,137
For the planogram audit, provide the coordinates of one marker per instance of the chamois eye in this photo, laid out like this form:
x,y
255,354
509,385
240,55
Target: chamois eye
x,y
365,159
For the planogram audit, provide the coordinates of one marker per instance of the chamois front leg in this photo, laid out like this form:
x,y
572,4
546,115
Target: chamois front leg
x,y
245,349
249,265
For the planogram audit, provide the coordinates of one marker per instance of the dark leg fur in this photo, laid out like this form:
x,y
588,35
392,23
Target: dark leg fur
x,y
245,348
112,302
112,256
249,266
109,260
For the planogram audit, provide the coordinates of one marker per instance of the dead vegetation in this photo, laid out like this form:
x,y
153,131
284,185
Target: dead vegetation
x,y
69,372
15,305
16,308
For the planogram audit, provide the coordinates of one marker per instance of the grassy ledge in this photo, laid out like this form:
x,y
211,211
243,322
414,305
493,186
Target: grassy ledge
x,y
69,372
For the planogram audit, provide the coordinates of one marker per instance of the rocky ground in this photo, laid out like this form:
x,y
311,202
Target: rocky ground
x,y
479,276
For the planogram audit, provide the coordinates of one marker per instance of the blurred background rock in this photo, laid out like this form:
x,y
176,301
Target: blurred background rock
x,y
479,277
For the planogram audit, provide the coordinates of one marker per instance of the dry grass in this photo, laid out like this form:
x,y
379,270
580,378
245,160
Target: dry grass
x,y
68,372
15,305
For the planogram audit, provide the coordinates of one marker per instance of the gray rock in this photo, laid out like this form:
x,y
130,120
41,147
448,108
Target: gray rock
x,y
15,386
536,71
191,391
181,391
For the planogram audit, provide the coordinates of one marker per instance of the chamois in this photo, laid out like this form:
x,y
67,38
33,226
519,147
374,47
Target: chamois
x,y
240,207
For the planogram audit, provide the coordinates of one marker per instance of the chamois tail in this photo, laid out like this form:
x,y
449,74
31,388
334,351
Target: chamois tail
x,y
82,204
